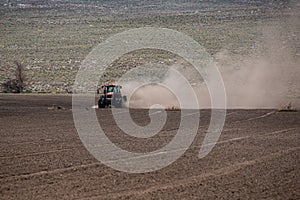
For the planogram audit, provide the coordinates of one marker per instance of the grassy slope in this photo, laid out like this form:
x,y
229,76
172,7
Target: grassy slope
x,y
51,39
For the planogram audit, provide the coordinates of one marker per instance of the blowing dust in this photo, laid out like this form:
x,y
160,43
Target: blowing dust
x,y
269,77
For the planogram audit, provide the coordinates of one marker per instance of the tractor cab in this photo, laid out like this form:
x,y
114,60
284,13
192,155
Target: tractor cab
x,y
111,96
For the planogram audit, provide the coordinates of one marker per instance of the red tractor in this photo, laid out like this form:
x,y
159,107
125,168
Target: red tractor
x,y
111,96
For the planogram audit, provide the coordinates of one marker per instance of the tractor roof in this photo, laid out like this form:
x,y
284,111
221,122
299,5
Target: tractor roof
x,y
112,84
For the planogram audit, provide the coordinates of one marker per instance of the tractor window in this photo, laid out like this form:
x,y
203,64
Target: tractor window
x,y
110,89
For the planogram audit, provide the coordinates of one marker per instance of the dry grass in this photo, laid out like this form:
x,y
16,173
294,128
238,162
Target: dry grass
x,y
173,108
53,39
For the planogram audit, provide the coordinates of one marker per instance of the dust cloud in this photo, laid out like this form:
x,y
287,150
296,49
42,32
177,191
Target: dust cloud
x,y
172,90
151,96
268,77
269,81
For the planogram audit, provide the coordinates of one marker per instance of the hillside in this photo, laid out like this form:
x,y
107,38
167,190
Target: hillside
x,y
52,38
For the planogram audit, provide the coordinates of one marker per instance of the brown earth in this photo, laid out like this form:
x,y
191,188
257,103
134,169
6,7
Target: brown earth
x,y
42,157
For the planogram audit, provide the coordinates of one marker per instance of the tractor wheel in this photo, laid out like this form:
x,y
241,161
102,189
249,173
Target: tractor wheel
x,y
101,103
117,103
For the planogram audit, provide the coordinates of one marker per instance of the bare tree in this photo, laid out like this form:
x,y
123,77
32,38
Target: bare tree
x,y
16,84
20,77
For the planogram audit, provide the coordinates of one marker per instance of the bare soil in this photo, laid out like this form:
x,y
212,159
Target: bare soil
x,y
42,157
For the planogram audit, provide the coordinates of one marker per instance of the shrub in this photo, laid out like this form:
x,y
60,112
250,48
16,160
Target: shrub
x,y
17,84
